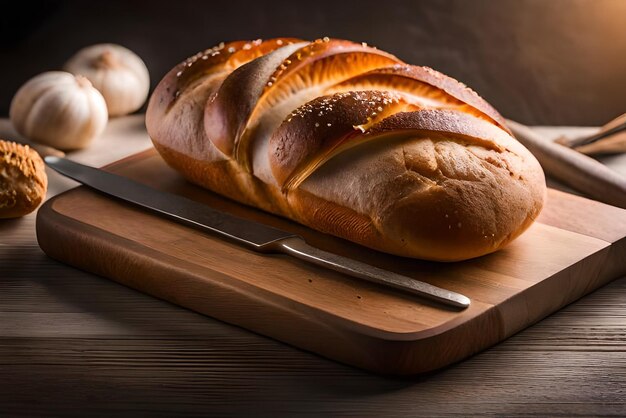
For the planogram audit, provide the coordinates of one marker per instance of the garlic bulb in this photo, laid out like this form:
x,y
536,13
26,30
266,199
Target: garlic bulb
x,y
59,109
117,72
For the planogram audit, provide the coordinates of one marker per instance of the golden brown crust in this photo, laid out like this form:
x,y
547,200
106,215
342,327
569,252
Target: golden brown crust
x,y
251,96
433,196
176,107
314,131
447,89
427,170
23,180
228,111
225,178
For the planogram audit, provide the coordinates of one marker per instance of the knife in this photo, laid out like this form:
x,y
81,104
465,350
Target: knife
x,y
252,235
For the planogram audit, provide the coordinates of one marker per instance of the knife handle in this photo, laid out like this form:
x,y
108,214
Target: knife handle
x,y
298,248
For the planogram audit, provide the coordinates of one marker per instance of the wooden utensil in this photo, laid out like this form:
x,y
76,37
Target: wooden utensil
x,y
613,144
610,139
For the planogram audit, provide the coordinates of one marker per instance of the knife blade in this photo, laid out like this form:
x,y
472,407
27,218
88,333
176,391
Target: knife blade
x,y
252,235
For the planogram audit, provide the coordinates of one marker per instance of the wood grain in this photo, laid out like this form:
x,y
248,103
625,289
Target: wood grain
x,y
322,311
89,346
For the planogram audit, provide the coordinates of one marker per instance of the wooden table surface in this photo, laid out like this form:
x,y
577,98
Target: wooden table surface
x,y
72,343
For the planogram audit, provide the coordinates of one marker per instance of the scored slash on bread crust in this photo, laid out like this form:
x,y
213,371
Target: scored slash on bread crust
x,y
313,133
419,82
176,108
349,140
256,97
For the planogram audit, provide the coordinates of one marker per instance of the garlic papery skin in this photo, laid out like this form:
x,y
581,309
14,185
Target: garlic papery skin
x,y
60,110
117,72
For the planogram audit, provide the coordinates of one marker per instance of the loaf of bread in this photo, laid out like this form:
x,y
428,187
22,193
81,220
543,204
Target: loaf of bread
x,y
348,140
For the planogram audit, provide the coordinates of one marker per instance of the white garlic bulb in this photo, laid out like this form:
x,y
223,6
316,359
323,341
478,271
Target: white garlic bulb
x,y
59,109
117,72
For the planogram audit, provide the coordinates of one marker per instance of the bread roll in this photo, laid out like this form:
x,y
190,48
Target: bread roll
x,y
23,180
351,141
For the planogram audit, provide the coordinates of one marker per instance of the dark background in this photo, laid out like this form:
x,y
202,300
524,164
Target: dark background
x,y
538,61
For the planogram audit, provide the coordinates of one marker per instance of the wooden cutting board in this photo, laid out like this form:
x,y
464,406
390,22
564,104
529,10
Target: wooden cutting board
x,y
577,246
